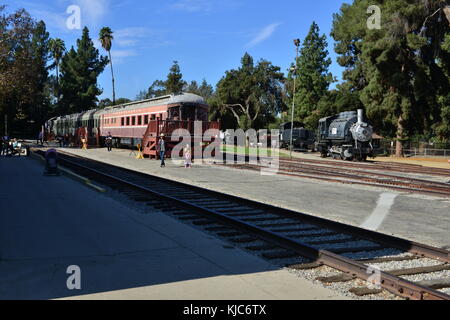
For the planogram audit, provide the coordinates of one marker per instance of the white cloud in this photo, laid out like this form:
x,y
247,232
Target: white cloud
x,y
118,54
264,34
193,6
129,37
92,11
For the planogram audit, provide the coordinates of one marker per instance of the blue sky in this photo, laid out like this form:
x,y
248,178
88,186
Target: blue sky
x,y
206,37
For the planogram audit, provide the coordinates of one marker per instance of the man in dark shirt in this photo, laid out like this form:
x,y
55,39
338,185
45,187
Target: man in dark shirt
x,y
109,141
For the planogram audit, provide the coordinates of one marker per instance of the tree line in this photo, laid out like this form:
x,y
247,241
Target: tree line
x,y
399,74
30,93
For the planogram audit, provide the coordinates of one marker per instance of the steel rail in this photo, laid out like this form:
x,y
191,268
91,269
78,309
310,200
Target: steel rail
x,y
388,240
389,282
359,181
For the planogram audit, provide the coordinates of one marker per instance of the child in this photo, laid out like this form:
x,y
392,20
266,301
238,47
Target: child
x,y
187,157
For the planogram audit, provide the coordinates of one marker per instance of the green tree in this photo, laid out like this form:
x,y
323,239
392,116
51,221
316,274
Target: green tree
x,y
57,50
122,101
174,83
24,56
39,75
105,103
158,88
252,94
442,128
313,78
400,70
108,103
79,72
204,90
15,60
106,37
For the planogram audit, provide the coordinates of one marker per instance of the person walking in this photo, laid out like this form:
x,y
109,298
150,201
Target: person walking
x,y
162,150
187,157
1,146
109,141
5,146
40,138
66,140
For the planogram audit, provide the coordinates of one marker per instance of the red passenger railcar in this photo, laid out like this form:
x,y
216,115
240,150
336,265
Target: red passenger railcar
x,y
139,122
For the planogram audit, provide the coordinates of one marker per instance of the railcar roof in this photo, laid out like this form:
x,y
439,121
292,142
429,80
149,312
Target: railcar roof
x,y
163,100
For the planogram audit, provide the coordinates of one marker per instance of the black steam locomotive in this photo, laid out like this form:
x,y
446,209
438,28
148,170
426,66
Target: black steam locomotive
x,y
345,136
302,139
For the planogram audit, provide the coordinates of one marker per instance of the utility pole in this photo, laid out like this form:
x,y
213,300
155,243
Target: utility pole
x,y
297,45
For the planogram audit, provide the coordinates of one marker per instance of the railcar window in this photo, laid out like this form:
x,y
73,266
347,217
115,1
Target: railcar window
x,y
146,119
128,121
133,121
153,116
139,120
122,121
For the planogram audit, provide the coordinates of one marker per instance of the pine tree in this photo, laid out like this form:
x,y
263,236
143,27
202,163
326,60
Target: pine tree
x,y
79,72
39,75
157,89
313,78
174,83
204,90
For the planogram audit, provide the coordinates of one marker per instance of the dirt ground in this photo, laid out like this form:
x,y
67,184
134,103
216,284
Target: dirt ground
x,y
426,162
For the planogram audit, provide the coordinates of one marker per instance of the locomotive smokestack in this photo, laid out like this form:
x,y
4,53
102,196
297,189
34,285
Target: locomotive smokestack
x,y
360,115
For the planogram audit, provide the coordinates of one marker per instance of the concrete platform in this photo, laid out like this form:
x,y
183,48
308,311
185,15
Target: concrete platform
x,y
50,223
416,217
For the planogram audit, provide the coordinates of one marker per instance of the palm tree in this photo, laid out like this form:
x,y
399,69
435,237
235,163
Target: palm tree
x,y
106,38
57,49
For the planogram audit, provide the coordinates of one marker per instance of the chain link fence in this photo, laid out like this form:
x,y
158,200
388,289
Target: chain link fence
x,y
416,149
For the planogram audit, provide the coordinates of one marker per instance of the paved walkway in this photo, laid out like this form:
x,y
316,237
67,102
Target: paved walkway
x,y
48,224
416,217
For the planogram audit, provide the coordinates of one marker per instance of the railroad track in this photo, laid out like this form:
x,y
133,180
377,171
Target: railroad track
x,y
378,166
346,173
276,234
